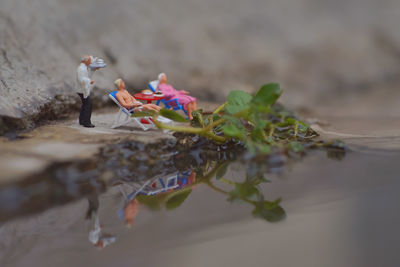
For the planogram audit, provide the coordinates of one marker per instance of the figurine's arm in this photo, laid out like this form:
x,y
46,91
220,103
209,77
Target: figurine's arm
x,y
88,85
125,104
135,102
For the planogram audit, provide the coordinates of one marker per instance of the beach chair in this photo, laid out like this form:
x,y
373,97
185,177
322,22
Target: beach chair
x,y
161,185
148,188
183,178
124,116
152,187
172,103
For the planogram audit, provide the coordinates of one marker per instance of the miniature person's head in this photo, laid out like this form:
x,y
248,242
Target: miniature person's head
x,y
86,59
120,84
162,78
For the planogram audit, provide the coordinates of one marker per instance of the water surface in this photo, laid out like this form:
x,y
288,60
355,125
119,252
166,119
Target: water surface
x,y
338,213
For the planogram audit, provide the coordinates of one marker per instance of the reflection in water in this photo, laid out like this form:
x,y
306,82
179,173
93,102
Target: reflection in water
x,y
96,235
155,176
171,191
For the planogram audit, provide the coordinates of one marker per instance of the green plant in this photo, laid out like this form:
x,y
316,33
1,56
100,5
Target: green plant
x,y
254,120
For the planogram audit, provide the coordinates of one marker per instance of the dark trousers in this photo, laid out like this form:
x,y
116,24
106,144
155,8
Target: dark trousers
x,y
86,110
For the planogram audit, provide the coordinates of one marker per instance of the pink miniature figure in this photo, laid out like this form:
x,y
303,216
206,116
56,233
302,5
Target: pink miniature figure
x,y
188,102
128,101
84,74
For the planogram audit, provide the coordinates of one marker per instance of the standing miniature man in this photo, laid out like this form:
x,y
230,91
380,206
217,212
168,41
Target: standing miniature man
x,y
84,74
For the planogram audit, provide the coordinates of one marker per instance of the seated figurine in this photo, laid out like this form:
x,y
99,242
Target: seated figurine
x,y
188,102
128,101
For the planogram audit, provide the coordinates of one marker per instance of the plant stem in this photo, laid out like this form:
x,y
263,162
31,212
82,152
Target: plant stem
x,y
296,129
177,128
271,131
217,138
185,129
226,181
214,124
216,188
217,110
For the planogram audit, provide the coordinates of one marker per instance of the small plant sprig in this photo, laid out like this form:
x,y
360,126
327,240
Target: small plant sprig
x,y
254,120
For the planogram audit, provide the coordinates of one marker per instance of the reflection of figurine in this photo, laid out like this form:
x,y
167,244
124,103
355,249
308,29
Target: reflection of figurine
x,y
131,209
96,237
84,74
128,101
186,178
188,102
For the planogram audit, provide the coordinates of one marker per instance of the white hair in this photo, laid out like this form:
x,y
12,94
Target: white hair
x,y
160,76
117,82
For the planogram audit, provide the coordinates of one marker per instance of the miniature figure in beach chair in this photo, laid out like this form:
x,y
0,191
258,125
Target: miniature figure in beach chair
x,y
152,187
177,100
127,105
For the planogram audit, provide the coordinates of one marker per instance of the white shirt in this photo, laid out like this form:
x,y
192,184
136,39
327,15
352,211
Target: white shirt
x,y
83,76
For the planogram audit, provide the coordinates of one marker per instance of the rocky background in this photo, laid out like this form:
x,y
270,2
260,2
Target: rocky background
x,y
333,56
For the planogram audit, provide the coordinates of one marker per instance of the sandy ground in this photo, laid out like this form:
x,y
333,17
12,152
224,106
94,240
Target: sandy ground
x,y
63,141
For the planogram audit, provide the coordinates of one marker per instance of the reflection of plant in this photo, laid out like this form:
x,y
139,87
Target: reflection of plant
x,y
171,200
253,120
247,191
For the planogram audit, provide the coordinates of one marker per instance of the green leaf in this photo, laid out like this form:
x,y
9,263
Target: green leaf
x,y
238,101
269,211
198,120
172,115
177,198
263,148
244,191
257,135
145,113
267,95
256,119
295,146
222,170
233,131
290,121
153,202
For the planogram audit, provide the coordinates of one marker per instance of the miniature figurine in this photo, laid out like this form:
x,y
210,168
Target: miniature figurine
x,y
188,102
131,210
84,73
96,235
128,101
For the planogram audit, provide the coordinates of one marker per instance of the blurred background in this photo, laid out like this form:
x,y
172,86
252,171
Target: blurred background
x,y
332,57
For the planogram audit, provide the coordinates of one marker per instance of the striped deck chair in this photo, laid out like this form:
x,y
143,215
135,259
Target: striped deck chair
x,y
124,116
